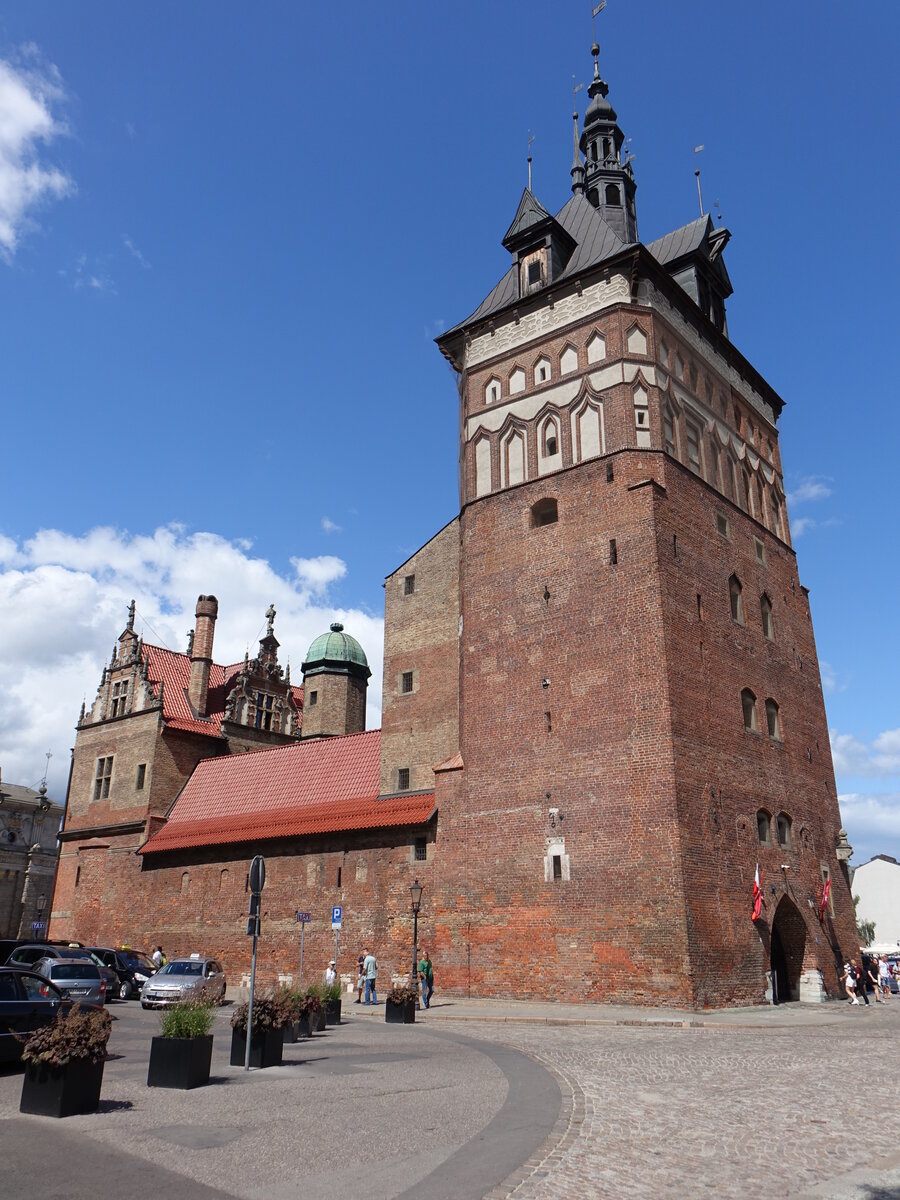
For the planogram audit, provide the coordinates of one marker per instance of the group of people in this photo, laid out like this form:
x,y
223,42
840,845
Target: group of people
x,y
367,969
860,976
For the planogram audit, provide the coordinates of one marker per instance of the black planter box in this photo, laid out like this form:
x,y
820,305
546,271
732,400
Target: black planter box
x,y
61,1091
400,1014
179,1062
291,1032
333,1012
307,1026
265,1048
320,1021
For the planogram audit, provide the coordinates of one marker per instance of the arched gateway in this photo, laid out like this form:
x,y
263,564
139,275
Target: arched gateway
x,y
788,944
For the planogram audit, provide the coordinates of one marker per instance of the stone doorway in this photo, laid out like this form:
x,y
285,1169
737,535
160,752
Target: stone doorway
x,y
788,944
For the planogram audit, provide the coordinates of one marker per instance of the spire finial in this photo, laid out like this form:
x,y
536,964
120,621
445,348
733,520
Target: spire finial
x,y
577,171
130,624
530,140
270,617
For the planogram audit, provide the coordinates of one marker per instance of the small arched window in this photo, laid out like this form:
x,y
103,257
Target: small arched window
x,y
223,879
773,721
594,197
765,611
549,438
613,196
185,880
671,446
764,827
735,592
784,831
545,512
748,704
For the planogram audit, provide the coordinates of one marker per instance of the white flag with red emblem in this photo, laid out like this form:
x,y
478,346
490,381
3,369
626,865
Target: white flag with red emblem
x,y
757,895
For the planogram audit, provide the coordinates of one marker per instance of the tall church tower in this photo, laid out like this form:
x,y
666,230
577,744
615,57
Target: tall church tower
x,y
640,709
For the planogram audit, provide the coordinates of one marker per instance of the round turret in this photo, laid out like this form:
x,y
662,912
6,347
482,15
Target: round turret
x,y
336,652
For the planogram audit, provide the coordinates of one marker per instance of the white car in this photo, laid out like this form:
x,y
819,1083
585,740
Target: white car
x,y
181,978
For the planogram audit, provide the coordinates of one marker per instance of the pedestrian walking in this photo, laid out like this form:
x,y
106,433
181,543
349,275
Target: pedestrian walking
x,y
884,976
370,969
330,973
426,976
862,981
158,958
360,979
848,979
872,975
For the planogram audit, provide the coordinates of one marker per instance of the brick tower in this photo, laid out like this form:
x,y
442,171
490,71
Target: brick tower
x,y
641,717
335,680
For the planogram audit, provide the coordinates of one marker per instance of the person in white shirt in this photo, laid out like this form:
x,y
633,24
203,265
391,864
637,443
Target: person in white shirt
x,y
330,973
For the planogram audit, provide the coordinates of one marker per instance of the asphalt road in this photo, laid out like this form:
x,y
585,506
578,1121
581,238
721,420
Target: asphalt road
x,y
364,1109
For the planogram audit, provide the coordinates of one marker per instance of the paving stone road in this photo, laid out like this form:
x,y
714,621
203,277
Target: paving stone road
x,y
534,1102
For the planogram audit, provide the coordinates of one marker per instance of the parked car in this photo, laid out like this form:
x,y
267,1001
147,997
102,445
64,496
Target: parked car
x,y
182,976
27,955
132,968
77,978
27,1001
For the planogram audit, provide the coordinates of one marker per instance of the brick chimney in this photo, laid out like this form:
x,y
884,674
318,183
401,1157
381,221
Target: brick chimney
x,y
201,651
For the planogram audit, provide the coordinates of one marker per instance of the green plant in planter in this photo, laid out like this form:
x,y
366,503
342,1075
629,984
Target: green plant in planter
x,y
287,1001
332,992
80,1035
187,1019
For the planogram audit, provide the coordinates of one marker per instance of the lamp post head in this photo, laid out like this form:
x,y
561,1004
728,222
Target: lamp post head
x,y
415,893
41,901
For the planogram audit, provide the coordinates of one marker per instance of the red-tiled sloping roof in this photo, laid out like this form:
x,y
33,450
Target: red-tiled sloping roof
x,y
319,786
174,671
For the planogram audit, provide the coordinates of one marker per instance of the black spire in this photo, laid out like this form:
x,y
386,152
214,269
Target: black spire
x,y
608,181
577,171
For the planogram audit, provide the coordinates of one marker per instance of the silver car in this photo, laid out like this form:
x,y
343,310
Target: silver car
x,y
183,977
77,978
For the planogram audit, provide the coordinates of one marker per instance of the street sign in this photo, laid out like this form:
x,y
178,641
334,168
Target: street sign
x,y
258,874
304,916
336,914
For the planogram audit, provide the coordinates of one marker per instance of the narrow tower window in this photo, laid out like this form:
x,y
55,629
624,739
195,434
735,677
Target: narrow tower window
x,y
406,682
763,827
409,585
765,608
735,592
773,721
748,703
403,779
545,512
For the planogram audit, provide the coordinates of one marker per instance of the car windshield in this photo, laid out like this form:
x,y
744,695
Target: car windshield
x,y
73,970
71,952
182,968
141,961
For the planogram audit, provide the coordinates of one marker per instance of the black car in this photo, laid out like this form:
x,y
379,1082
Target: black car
x,y
26,1002
132,968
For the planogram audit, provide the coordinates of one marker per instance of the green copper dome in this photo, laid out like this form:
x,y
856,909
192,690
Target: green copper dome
x,y
336,652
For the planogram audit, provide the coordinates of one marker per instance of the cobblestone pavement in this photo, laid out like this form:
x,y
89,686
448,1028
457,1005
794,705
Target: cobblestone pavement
x,y
805,1110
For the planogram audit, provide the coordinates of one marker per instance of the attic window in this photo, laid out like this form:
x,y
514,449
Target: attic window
x,y
612,195
534,273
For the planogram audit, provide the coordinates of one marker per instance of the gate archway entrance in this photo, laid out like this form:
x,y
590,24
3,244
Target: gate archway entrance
x,y
788,945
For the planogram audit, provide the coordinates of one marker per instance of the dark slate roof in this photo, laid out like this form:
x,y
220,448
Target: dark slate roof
x,y
681,241
528,214
596,241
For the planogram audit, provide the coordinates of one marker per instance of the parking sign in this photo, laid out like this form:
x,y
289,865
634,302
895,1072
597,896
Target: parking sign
x,y
336,914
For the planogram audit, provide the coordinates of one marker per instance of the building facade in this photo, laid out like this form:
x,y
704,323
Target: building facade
x,y
602,707
29,824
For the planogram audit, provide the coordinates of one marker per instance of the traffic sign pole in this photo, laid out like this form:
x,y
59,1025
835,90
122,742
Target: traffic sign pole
x,y
257,883
250,1005
300,975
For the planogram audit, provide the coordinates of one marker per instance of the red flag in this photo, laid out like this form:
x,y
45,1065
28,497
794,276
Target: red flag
x,y
757,895
826,893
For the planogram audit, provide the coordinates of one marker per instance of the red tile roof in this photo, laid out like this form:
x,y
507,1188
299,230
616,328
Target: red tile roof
x,y
174,671
319,786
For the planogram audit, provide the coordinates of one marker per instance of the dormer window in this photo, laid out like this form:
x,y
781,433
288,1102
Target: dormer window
x,y
534,273
532,270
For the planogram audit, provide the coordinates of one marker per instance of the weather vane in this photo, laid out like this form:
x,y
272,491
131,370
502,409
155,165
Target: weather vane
x,y
698,150
530,140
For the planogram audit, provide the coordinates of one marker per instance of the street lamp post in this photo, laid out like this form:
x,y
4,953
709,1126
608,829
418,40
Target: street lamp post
x,y
415,893
41,901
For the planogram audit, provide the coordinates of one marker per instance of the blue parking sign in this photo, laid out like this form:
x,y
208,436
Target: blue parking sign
x,y
336,913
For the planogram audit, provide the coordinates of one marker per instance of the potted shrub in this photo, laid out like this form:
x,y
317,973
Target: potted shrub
x,y
317,1020
181,1055
290,1003
310,1014
400,1006
332,994
265,1036
64,1064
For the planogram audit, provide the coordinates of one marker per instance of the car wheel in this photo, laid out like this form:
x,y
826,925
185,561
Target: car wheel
x,y
125,990
144,1004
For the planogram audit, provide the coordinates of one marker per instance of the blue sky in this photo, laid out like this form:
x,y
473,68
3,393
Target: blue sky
x,y
229,234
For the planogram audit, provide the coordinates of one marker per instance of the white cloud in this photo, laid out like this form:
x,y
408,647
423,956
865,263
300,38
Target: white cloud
x,y
800,526
330,526
879,758
808,490
134,251
29,93
872,822
63,601
830,683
